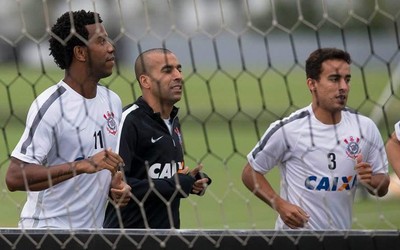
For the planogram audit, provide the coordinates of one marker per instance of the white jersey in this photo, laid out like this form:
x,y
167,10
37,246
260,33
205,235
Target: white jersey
x,y
62,126
397,130
317,162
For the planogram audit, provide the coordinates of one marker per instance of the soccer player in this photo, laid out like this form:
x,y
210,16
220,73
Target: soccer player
x,y
65,159
323,152
151,146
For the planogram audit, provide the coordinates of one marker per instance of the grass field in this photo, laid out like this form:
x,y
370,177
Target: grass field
x,y
222,117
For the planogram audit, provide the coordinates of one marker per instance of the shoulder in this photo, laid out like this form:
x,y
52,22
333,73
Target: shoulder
x,y
48,106
52,92
396,126
360,122
45,100
131,113
104,90
294,118
137,108
131,109
357,117
291,125
303,113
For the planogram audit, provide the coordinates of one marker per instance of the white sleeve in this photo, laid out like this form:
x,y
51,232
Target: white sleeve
x,y
37,139
269,151
397,130
377,154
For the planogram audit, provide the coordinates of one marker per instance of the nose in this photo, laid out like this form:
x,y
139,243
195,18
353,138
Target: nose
x,y
110,47
344,84
177,74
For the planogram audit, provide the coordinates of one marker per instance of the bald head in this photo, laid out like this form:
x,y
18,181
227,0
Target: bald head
x,y
143,64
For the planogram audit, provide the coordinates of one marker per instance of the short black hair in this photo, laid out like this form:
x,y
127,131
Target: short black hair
x,y
316,58
62,42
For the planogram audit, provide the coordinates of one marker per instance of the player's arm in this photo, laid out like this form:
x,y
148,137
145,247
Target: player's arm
x,y
376,183
393,153
23,176
380,183
292,215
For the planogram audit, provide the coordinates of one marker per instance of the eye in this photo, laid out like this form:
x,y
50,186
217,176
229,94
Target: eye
x,y
101,40
167,69
334,79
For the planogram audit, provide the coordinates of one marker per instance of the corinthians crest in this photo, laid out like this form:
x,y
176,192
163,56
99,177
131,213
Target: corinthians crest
x,y
111,125
179,135
353,147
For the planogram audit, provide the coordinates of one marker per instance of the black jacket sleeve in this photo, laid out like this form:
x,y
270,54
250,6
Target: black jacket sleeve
x,y
178,184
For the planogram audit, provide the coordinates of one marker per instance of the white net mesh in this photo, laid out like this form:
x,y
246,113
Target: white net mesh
x,y
243,63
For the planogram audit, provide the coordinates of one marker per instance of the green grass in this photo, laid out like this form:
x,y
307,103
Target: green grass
x,y
222,118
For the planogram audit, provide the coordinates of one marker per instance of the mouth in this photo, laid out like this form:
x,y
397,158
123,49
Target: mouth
x,y
341,98
111,59
177,87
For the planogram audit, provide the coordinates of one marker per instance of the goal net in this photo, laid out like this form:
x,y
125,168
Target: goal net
x,y
243,64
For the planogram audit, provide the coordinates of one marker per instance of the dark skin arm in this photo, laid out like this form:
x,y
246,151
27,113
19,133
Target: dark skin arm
x,y
24,176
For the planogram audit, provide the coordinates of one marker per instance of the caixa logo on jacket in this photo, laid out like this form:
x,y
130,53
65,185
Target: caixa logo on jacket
x,y
161,171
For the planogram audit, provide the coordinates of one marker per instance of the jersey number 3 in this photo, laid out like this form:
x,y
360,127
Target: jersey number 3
x,y
332,161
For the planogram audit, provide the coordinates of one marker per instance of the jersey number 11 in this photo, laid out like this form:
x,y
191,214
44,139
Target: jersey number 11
x,y
98,139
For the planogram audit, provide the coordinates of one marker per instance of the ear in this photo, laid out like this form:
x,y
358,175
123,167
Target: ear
x,y
311,84
80,53
144,81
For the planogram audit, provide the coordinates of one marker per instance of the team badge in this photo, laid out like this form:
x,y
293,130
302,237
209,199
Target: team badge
x,y
111,124
178,133
353,147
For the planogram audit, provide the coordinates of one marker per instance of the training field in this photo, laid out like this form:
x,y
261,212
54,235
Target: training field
x,y
222,120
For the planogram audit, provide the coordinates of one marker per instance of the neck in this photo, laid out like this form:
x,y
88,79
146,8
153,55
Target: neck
x,y
326,116
83,85
159,107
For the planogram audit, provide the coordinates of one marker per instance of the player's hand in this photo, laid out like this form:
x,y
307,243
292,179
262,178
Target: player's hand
x,y
120,190
200,185
105,159
192,172
364,171
196,170
293,216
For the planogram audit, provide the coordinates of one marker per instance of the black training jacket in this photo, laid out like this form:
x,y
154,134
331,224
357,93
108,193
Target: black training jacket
x,y
152,156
